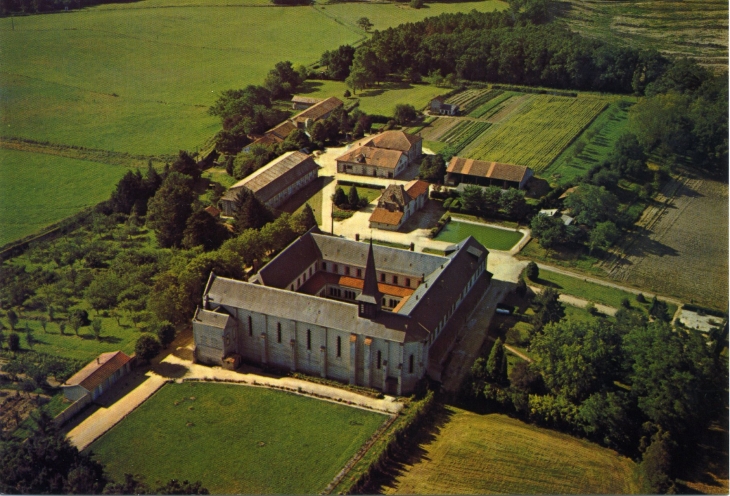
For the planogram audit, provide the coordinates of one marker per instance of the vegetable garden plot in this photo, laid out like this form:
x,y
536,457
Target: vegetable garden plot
x,y
471,99
459,136
493,105
536,133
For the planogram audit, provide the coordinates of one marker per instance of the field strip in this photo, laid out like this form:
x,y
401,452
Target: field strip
x,y
80,153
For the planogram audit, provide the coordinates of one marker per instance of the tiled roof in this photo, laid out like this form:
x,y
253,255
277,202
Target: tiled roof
x,y
318,110
317,281
385,216
282,130
491,170
394,140
291,262
274,177
372,156
212,210
416,188
568,192
99,370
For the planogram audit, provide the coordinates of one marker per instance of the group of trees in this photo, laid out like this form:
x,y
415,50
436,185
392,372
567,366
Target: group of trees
x,y
489,201
47,463
634,385
349,201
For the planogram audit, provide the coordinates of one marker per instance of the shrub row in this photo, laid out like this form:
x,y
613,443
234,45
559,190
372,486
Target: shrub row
x,y
365,391
535,90
440,225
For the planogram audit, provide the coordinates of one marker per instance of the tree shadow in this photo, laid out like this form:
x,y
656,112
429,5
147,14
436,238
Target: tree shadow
x,y
413,452
309,86
170,370
548,284
645,245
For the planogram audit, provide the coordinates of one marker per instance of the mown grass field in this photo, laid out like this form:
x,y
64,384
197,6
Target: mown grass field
x,y
586,290
37,190
491,237
537,131
487,454
688,28
236,439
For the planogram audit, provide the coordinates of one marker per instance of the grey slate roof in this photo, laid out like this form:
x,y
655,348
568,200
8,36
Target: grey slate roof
x,y
291,262
212,319
309,310
387,259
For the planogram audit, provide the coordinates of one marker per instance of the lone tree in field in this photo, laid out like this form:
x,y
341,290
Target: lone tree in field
x,y
78,318
96,327
365,24
44,322
404,113
532,271
147,347
30,338
62,328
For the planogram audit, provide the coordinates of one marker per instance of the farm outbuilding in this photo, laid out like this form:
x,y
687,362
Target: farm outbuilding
x,y
384,155
483,173
439,106
275,182
97,376
398,203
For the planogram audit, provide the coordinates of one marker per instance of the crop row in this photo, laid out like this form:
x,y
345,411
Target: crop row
x,y
466,97
538,132
493,105
464,133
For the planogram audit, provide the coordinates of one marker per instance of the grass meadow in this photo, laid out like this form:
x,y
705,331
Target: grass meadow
x,y
491,237
236,439
37,190
488,454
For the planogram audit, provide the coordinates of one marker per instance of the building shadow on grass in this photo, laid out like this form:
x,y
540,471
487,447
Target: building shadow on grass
x,y
411,453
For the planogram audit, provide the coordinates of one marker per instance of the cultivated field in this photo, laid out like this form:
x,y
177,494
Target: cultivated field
x,y
236,439
37,190
690,28
536,131
491,237
439,127
487,454
459,136
682,249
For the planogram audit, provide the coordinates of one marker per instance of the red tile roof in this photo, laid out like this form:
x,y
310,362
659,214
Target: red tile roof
x,y
212,210
319,279
491,170
394,140
96,372
368,155
385,216
416,188
318,110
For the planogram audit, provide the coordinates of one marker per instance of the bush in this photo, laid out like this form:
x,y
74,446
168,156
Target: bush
x,y
447,202
147,347
13,341
532,271
640,298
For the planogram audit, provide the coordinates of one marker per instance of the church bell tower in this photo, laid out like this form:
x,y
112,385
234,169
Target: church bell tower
x,y
368,302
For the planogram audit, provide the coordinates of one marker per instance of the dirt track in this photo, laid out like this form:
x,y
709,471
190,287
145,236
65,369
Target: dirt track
x,y
682,249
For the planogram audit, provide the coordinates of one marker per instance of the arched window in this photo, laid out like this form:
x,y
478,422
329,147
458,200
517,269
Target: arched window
x,y
410,364
339,346
278,332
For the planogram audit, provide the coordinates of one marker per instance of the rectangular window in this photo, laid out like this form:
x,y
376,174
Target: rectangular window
x,y
395,279
379,361
347,271
278,332
324,265
408,282
339,346
250,326
410,364
359,273
382,277
309,339
334,268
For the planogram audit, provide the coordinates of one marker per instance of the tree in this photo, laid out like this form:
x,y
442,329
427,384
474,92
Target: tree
x,y
628,156
656,464
549,231
575,358
532,271
472,198
497,363
592,204
13,341
147,347
659,310
416,4
404,113
337,62
186,164
603,235
30,338
169,209
44,322
2,338
176,487
353,198
304,220
166,333
78,318
202,229
12,319
432,168
250,161
61,328
513,203
96,327
365,24
339,198
103,291
549,309
250,213
282,80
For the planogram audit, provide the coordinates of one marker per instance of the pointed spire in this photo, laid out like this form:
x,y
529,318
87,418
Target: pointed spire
x,y
369,299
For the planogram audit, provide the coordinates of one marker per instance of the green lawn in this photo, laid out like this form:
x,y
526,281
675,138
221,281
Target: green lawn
x,y
587,290
236,439
37,190
496,454
491,237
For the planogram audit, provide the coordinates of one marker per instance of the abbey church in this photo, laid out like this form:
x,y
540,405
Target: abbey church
x,y
346,310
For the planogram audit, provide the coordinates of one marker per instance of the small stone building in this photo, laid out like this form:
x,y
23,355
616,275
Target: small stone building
x,y
483,173
343,309
97,376
275,182
384,155
439,106
398,203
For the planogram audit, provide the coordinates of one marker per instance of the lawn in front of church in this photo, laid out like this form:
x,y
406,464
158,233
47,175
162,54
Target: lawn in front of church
x,y
236,439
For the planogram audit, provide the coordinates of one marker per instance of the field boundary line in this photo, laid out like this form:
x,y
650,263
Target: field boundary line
x,y
360,454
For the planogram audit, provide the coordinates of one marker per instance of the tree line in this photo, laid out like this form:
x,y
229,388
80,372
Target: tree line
x,y
635,385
